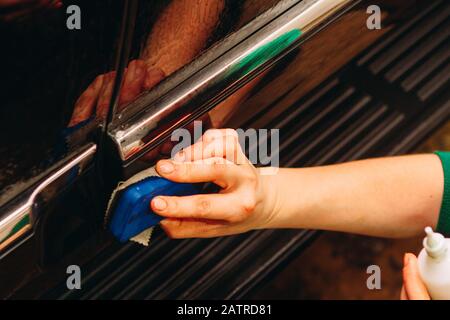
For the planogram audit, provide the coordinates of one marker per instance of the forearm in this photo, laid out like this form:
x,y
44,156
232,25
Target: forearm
x,y
391,197
181,32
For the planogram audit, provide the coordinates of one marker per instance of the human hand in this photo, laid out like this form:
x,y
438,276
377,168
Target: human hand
x,y
244,202
413,287
96,99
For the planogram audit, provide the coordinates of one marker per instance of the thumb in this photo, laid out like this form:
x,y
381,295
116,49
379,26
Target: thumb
x,y
414,287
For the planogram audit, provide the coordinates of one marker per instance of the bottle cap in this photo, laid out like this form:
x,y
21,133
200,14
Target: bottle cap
x,y
434,243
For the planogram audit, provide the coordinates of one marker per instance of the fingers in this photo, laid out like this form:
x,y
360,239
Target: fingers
x,y
216,170
210,215
133,83
204,206
414,287
104,98
184,228
153,77
137,78
221,143
403,295
84,107
178,228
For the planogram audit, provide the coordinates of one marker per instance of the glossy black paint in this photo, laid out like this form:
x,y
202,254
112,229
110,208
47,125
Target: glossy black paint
x,y
71,230
45,68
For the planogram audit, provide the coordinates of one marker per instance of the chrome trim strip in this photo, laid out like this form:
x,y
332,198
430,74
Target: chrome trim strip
x,y
49,184
221,77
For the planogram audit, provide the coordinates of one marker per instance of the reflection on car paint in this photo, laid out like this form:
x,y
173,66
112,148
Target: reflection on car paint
x,y
179,32
45,67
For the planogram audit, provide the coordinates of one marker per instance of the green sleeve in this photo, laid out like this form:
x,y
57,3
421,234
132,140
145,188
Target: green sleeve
x,y
444,215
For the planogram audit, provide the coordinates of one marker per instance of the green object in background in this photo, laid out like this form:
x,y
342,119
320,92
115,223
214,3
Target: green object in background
x,y
17,227
265,53
444,215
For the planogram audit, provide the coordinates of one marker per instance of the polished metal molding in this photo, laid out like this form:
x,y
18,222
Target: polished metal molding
x,y
210,85
18,217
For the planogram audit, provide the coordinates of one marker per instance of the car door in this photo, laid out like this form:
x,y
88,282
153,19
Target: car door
x,y
58,173
51,125
288,75
283,65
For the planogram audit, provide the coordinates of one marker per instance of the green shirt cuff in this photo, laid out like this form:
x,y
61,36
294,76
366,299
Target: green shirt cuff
x,y
444,215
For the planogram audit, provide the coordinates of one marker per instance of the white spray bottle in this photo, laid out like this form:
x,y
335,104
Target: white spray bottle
x,y
434,264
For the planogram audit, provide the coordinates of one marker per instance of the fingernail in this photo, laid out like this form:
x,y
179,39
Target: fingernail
x,y
406,259
166,167
159,203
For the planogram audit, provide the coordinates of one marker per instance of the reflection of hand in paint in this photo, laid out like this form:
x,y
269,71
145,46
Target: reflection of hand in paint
x,y
181,32
85,104
96,99
138,78
164,53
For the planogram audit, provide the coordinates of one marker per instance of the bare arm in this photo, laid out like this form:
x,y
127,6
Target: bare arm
x,y
389,197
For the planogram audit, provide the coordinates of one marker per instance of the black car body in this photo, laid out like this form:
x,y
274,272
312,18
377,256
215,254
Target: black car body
x,y
77,117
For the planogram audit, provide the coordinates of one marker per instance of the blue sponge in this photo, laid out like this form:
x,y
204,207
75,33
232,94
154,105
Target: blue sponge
x,y
131,212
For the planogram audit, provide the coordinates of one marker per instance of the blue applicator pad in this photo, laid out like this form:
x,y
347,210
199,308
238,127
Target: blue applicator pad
x,y
132,213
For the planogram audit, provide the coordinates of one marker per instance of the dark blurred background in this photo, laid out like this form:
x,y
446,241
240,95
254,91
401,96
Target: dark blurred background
x,y
334,266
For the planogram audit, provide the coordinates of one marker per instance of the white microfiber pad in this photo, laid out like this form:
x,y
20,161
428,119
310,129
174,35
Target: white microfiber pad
x,y
143,237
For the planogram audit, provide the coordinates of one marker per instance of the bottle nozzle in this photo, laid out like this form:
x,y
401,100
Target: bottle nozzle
x,y
434,243
432,240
